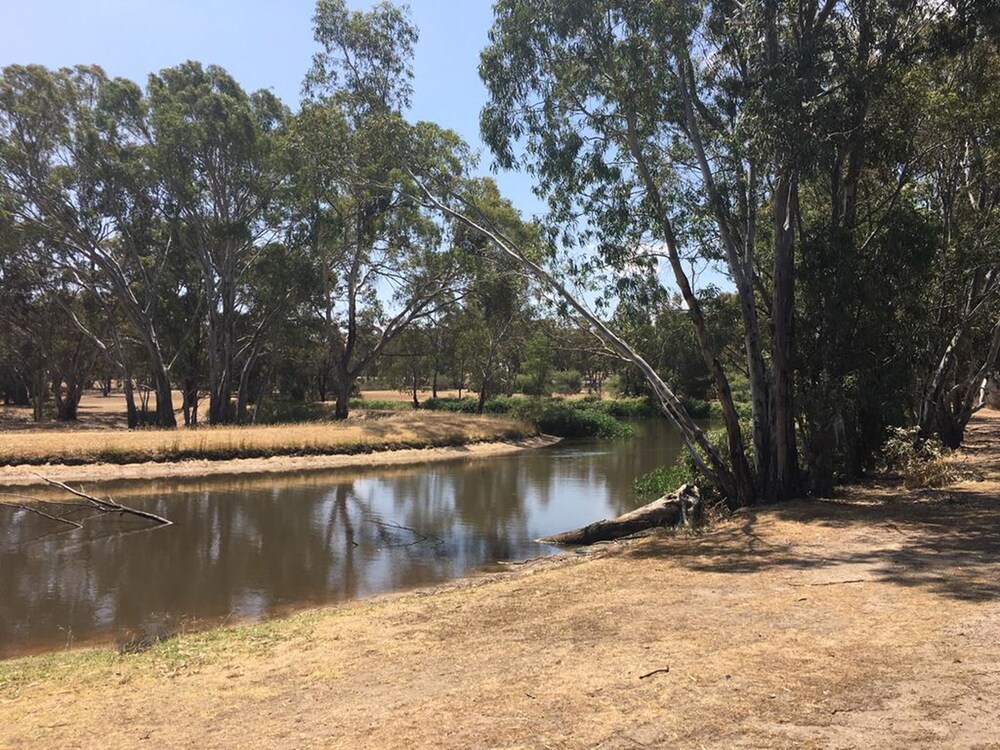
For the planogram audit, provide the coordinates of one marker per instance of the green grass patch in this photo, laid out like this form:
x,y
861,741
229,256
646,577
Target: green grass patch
x,y
553,416
380,404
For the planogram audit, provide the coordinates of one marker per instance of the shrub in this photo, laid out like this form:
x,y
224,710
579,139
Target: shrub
x,y
744,410
613,385
284,411
921,462
697,408
564,420
382,404
462,405
636,407
567,381
500,404
662,480
530,386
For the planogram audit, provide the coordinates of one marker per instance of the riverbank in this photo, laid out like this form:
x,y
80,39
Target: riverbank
x,y
356,437
868,620
28,476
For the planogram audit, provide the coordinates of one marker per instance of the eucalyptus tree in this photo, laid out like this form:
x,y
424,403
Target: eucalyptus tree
x,y
684,131
72,153
961,189
215,148
385,258
496,299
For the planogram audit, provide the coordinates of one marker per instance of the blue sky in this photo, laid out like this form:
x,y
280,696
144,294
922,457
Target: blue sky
x,y
263,43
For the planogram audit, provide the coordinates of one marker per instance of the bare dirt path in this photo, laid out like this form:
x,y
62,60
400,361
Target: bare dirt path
x,y
869,621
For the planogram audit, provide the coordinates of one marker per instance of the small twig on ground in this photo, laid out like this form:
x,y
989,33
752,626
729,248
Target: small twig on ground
x,y
833,583
655,671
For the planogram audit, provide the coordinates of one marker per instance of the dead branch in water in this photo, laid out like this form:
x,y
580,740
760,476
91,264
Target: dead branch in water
x,y
107,505
39,511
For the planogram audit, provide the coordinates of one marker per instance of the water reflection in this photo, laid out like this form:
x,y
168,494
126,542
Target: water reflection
x,y
252,547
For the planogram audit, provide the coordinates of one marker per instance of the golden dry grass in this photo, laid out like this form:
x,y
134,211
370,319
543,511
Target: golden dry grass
x,y
403,430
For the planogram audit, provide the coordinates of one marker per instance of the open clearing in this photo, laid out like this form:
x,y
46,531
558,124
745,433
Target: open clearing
x,y
866,621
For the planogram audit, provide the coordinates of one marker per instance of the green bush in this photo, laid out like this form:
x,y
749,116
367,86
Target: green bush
x,y
921,462
459,405
383,404
567,382
570,419
662,480
286,411
697,408
500,404
744,410
530,386
613,385
562,419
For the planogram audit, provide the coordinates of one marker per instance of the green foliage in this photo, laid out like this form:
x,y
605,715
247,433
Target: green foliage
x,y
567,382
697,408
377,404
570,419
564,419
458,405
662,480
536,367
289,411
639,407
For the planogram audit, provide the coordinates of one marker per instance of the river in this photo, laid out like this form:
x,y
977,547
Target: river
x,y
253,547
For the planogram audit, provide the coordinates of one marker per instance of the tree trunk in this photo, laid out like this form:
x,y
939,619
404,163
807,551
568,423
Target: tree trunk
x,y
165,416
783,477
345,384
131,412
680,508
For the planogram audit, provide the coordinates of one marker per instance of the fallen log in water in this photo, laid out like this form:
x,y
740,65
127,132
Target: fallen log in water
x,y
680,508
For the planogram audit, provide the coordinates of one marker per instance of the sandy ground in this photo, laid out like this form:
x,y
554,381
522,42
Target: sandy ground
x,y
22,476
867,621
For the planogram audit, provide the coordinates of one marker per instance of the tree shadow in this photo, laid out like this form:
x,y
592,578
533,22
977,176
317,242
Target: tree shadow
x,y
945,541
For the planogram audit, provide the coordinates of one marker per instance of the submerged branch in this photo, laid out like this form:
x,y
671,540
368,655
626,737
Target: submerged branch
x,y
107,505
39,511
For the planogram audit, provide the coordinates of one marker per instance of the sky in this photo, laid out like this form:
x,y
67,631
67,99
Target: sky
x,y
263,44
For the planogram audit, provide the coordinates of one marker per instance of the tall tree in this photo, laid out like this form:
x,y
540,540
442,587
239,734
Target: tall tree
x,y
382,254
214,147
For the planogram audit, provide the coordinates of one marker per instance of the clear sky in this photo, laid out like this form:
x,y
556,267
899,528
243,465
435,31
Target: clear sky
x,y
263,43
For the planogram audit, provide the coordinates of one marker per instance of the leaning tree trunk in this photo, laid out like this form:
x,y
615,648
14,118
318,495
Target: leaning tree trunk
x,y
680,508
702,452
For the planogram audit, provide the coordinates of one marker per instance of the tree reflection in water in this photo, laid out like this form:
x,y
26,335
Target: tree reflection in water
x,y
250,547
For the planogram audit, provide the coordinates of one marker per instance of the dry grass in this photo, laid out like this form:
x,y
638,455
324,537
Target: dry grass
x,y
404,430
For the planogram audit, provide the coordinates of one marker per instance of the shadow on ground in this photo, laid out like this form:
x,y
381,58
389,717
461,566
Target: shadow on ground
x,y
946,541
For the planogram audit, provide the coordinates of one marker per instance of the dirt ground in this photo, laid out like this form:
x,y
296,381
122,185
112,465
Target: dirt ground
x,y
866,621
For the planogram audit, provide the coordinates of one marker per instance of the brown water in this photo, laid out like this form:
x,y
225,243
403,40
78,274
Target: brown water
x,y
253,547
